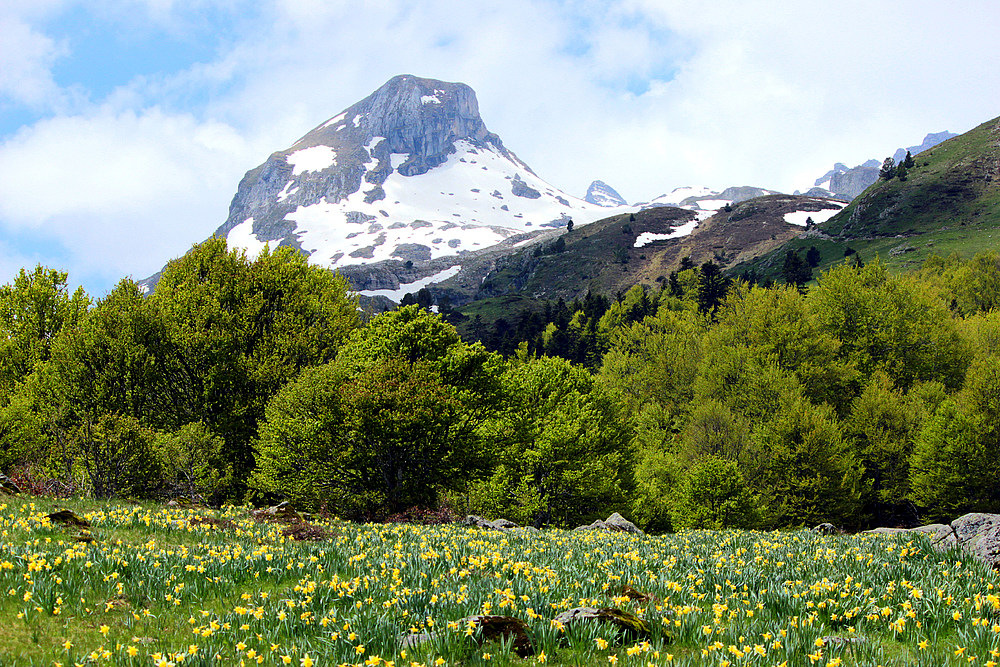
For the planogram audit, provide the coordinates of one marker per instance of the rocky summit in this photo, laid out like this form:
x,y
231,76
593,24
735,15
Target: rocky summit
x,y
409,174
602,194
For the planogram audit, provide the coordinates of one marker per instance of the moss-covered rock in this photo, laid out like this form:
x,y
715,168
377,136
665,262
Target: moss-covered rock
x,y
629,626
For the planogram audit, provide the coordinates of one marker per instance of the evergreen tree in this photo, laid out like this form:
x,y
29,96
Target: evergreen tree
x,y
888,170
813,256
794,270
712,287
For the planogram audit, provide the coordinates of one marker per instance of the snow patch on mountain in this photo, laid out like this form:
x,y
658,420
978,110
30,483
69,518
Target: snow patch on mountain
x,y
467,203
242,236
415,286
646,238
711,204
315,158
800,217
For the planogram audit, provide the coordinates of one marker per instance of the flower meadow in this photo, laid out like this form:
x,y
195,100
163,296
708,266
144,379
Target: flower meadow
x,y
170,586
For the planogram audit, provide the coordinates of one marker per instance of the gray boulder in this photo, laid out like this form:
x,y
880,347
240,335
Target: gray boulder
x,y
942,536
825,529
615,523
976,534
979,536
475,521
521,189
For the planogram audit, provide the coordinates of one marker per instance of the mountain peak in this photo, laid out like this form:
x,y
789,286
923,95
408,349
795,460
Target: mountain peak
x,y
418,117
409,178
602,194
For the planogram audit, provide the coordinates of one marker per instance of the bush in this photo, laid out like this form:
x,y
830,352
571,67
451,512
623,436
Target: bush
x,y
714,496
117,454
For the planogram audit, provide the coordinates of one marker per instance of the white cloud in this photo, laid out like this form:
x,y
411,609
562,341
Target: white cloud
x,y
122,191
26,58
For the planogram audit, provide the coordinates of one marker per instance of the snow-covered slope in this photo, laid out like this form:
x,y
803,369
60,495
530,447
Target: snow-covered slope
x,y
410,173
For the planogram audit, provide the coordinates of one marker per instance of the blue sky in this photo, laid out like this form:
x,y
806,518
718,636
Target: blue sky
x,y
126,125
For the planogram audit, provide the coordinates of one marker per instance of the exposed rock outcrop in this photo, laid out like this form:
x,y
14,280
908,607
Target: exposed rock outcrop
x,y
976,534
615,523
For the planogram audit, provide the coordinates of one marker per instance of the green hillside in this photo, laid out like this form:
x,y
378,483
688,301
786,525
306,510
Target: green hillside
x,y
602,257
949,201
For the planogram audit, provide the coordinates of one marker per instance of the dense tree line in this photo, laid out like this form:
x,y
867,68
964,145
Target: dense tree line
x,y
867,398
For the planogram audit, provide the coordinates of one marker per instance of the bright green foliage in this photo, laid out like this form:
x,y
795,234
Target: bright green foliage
x,y
714,496
656,360
192,462
883,424
240,330
33,310
107,365
777,324
956,459
891,323
749,384
380,429
713,430
975,283
657,470
561,446
803,470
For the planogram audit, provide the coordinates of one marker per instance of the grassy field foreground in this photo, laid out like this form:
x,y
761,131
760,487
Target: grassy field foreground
x,y
162,586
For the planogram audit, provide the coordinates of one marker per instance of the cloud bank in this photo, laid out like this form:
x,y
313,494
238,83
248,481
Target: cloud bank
x,y
647,95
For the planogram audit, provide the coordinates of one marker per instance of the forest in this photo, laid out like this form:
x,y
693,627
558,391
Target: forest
x,y
865,398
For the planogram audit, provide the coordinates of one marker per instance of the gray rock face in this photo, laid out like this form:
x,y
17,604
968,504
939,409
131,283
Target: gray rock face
x,y
602,194
421,118
979,535
930,141
521,189
854,181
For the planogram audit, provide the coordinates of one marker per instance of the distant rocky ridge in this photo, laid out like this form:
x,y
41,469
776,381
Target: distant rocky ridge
x,y
701,198
849,182
602,194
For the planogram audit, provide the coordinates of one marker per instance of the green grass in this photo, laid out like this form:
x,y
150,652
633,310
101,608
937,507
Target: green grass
x,y
157,586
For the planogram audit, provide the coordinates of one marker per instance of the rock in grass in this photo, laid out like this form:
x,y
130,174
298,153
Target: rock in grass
x,y
68,518
628,625
501,629
942,536
979,535
280,513
8,486
615,523
826,529
474,521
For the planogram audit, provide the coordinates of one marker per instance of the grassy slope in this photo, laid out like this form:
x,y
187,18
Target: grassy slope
x,y
950,202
